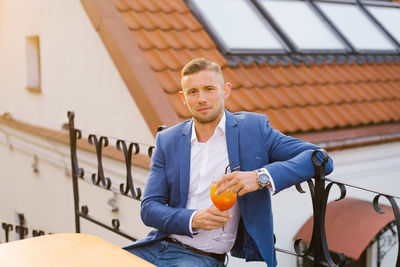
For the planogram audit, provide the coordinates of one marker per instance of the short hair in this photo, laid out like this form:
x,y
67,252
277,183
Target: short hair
x,y
199,64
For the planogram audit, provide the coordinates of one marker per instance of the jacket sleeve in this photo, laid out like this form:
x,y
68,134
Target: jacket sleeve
x,y
155,210
290,158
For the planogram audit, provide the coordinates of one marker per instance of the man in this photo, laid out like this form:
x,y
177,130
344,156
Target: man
x,y
190,155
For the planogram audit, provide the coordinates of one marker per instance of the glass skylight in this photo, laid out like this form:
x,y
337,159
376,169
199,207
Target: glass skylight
x,y
238,25
302,25
361,32
389,17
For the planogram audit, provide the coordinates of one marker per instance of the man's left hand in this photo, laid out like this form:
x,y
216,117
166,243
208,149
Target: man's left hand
x,y
241,182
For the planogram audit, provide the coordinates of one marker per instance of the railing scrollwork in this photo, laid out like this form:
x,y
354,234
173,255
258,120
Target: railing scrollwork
x,y
128,186
99,177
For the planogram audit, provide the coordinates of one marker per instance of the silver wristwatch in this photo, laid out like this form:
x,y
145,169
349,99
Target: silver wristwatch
x,y
263,178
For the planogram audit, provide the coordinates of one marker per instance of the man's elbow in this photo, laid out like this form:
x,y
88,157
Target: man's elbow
x,y
144,213
329,166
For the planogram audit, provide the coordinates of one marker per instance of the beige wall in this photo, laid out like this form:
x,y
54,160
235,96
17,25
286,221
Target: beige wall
x,y
76,71
46,197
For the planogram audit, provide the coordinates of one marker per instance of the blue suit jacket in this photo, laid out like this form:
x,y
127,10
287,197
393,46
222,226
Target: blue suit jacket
x,y
252,143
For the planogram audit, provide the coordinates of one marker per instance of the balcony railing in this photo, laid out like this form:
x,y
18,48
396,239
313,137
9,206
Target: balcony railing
x,y
320,186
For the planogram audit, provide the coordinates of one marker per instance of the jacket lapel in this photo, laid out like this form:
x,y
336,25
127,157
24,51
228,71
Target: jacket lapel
x,y
185,162
232,139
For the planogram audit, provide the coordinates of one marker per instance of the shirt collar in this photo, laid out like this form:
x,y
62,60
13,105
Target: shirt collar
x,y
220,130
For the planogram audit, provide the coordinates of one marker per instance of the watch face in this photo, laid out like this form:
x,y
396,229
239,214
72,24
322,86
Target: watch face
x,y
263,178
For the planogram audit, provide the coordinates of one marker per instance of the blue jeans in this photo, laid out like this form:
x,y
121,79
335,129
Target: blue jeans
x,y
163,253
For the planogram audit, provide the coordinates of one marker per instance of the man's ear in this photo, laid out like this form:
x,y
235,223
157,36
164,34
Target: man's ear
x,y
182,96
227,90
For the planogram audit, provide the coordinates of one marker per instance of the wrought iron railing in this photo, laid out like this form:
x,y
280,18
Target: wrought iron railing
x,y
21,229
320,187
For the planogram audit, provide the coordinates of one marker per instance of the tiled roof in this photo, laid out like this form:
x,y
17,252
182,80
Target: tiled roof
x,y
297,98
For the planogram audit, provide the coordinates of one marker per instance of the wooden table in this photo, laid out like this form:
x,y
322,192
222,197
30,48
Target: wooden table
x,y
72,250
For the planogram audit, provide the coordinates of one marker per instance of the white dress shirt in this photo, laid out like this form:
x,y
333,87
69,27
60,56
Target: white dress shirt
x,y
207,164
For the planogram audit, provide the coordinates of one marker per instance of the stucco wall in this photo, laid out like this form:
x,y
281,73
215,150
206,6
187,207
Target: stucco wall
x,y
77,72
46,197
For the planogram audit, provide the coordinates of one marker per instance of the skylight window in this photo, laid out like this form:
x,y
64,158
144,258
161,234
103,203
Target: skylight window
x,y
389,17
238,26
361,32
302,25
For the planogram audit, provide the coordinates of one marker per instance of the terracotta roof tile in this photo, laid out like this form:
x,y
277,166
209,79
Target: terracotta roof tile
x,y
140,20
348,92
391,90
394,107
271,97
242,97
280,117
170,80
195,40
334,118
275,121
232,104
318,73
153,40
133,5
265,75
230,76
153,5
287,74
248,99
302,118
295,97
307,92
273,77
146,5
183,21
162,40
180,108
171,6
121,5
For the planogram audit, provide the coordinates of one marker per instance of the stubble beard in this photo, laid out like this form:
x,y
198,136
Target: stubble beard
x,y
212,117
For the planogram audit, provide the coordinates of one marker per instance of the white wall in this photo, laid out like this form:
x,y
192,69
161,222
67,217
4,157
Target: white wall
x,y
46,197
77,72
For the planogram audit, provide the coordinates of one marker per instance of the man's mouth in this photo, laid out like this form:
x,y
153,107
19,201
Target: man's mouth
x,y
203,109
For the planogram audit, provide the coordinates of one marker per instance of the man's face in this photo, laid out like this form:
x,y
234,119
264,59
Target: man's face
x,y
204,93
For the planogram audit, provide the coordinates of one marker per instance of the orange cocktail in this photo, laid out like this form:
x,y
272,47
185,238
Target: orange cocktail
x,y
223,201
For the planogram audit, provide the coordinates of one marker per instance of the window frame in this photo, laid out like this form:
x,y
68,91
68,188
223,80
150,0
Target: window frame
x,y
289,47
376,20
268,16
238,51
379,27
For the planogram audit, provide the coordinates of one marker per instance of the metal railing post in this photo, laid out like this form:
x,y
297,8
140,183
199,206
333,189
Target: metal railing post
x,y
75,134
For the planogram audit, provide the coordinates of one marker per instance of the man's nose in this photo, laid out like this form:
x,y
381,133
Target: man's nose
x,y
202,96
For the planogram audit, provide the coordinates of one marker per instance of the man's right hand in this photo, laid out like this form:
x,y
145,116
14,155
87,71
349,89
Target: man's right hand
x,y
210,219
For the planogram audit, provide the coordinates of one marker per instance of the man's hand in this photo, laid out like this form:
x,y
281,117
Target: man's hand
x,y
241,182
210,219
